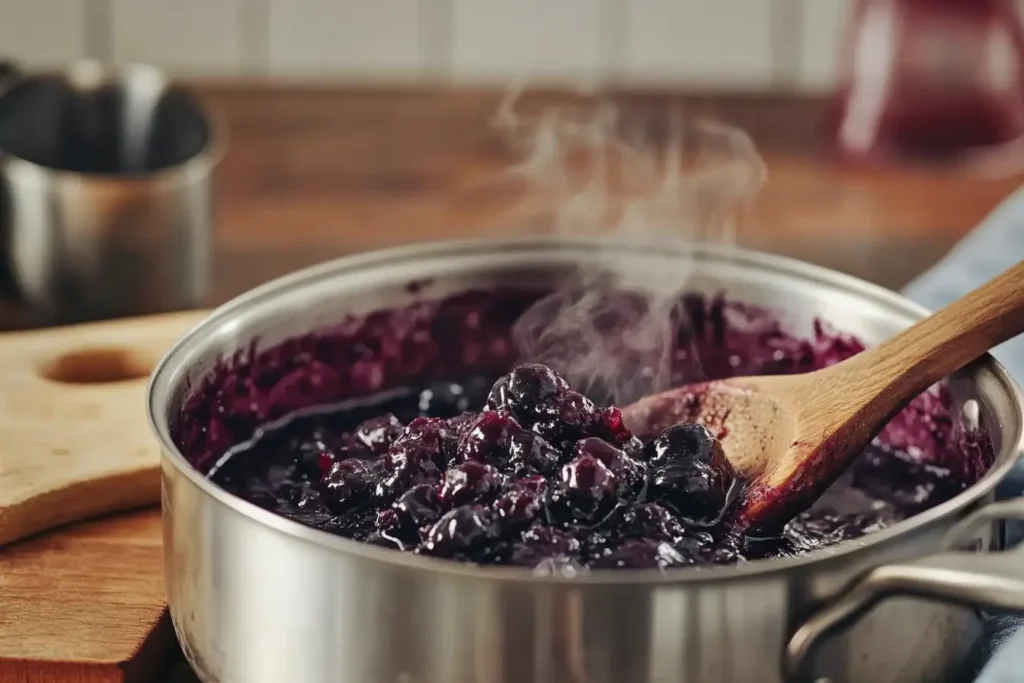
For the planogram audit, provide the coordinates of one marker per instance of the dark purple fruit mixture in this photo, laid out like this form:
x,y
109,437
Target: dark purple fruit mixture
x,y
411,429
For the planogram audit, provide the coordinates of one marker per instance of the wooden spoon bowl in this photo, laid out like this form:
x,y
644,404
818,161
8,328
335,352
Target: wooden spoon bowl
x,y
791,436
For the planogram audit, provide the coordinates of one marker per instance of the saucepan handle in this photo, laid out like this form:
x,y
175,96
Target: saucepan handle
x,y
987,580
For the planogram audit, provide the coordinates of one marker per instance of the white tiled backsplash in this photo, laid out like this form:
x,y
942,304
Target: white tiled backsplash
x,y
736,44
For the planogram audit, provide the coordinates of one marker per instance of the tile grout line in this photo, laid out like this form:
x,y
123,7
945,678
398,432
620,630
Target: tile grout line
x,y
786,30
254,38
612,43
437,39
98,30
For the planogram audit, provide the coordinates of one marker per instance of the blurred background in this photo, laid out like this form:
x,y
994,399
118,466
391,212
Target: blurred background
x,y
888,129
358,124
746,45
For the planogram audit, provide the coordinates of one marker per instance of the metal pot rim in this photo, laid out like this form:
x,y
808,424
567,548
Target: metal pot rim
x,y
159,388
93,72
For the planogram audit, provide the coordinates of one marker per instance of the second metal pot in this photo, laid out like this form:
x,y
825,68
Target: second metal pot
x,y
106,193
256,598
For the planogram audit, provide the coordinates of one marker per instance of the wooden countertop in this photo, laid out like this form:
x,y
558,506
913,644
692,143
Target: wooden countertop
x,y
316,173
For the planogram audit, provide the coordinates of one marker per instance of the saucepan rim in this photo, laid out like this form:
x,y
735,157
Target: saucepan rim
x,y
163,385
90,73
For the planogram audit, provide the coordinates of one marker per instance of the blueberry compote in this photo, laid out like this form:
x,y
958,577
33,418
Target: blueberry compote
x,y
414,430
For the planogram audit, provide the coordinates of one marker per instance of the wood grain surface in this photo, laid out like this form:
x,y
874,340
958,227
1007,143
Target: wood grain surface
x,y
315,173
818,422
76,442
86,604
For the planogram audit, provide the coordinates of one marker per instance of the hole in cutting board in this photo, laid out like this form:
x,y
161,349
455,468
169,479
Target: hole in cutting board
x,y
97,366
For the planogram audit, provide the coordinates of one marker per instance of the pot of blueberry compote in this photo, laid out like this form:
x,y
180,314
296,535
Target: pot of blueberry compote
x,y
411,466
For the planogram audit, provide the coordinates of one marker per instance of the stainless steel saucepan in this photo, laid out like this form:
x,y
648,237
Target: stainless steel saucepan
x,y
256,598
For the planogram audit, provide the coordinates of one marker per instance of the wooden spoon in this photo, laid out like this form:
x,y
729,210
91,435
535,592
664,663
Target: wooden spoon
x,y
791,436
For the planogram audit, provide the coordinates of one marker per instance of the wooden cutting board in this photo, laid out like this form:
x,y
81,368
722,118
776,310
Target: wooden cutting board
x,y
83,602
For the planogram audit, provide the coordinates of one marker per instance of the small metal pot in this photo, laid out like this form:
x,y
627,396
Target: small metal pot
x,y
256,598
106,193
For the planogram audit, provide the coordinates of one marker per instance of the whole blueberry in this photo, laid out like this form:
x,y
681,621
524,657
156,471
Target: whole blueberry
x,y
522,502
462,531
615,430
693,488
529,386
587,488
426,438
688,441
498,398
628,470
420,505
378,433
486,440
566,419
403,467
468,482
393,529
530,453
348,483
651,521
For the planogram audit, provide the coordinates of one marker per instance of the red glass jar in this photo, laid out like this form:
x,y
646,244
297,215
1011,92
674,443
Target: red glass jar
x,y
930,79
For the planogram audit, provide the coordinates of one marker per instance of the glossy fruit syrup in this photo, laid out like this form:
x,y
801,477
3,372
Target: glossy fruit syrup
x,y
414,429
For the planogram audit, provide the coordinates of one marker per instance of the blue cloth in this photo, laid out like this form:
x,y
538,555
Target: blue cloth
x,y
994,246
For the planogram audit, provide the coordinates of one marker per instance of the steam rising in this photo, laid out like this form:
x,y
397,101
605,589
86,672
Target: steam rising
x,y
670,178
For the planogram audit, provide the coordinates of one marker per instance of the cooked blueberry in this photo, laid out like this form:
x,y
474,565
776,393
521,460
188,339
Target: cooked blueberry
x,y
325,461
728,550
651,521
306,498
543,543
566,419
403,467
461,423
695,545
378,433
426,438
395,529
420,505
468,482
903,480
616,431
587,488
638,554
348,483
693,488
498,481
316,454
461,531
530,453
629,471
522,501
529,386
498,398
487,439
690,441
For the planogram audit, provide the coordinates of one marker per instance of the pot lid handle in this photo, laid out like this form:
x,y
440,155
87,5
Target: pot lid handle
x,y
990,580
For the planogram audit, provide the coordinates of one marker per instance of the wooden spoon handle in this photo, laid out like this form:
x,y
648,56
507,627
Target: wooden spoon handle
x,y
908,363
74,440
